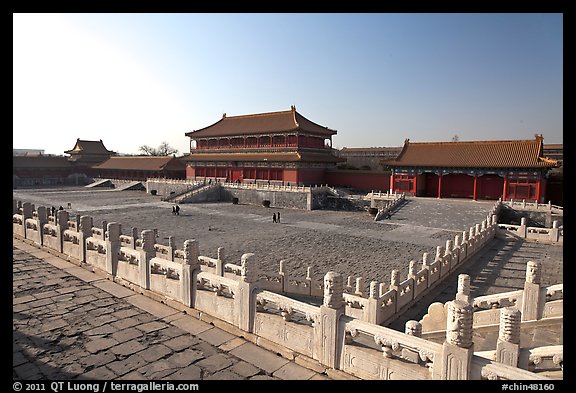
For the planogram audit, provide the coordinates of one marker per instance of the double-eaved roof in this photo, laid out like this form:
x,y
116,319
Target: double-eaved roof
x,y
261,123
474,154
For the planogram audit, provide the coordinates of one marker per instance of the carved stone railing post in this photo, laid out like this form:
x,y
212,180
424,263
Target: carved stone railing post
x,y
425,264
84,232
438,253
114,230
171,247
61,227
464,289
508,344
371,314
104,228
456,251
349,288
458,348
309,279
533,299
394,280
555,232
328,336
27,212
359,287
146,254
190,270
42,214
134,231
15,209
412,270
523,231
446,259
464,246
220,262
282,276
244,299
471,241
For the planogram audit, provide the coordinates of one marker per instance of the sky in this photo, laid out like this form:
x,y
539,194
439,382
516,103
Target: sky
x,y
134,79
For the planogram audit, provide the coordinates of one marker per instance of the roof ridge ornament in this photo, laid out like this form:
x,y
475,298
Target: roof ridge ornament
x,y
293,107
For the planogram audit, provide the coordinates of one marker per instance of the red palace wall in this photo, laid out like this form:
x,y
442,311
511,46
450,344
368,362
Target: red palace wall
x,y
311,176
360,180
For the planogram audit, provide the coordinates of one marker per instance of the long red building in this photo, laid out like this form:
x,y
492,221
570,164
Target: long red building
x,y
276,146
507,169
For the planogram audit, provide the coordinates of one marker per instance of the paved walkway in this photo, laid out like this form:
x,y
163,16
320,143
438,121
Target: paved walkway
x,y
70,323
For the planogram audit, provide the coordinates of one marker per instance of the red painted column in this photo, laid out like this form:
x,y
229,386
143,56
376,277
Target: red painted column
x,y
475,181
505,190
392,183
415,188
538,190
439,186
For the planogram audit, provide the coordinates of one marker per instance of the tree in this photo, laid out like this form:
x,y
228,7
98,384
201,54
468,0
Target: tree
x,y
163,150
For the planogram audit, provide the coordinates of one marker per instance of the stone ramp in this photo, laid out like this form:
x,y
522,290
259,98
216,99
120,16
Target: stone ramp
x,y
133,185
100,183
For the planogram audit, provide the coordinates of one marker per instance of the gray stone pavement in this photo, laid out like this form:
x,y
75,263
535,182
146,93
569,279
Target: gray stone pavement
x,y
70,323
341,241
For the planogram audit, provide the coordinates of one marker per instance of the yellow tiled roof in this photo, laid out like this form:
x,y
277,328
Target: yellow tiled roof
x,y
475,154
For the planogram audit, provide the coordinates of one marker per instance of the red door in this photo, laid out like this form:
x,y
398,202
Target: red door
x,y
489,187
431,185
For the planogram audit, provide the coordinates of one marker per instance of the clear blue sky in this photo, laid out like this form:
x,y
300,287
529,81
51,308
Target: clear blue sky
x,y
141,79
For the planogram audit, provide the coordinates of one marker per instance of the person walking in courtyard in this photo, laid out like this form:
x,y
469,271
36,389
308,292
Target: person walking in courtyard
x,y
177,208
173,210
278,218
274,218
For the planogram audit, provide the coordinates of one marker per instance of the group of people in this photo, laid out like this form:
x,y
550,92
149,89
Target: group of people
x,y
176,210
53,210
276,218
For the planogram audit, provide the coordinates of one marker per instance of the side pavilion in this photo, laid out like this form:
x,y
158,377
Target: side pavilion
x,y
507,169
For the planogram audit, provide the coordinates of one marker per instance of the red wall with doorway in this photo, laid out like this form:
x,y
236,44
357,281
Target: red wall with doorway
x,y
360,180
